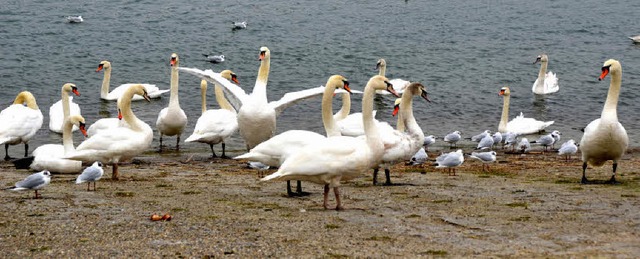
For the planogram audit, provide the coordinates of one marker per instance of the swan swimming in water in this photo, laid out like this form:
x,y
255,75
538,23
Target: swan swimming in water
x,y
547,82
518,125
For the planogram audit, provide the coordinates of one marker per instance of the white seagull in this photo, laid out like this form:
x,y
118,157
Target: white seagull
x,y
75,19
214,58
91,174
452,138
567,149
484,157
450,160
239,25
33,182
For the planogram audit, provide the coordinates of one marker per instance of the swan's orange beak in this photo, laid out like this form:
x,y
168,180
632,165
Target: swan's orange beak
x,y
346,87
119,114
501,92
262,54
173,61
605,72
75,91
234,78
396,109
100,67
82,129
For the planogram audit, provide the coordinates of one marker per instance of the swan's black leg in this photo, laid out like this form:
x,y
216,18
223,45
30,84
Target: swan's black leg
x,y
387,174
584,177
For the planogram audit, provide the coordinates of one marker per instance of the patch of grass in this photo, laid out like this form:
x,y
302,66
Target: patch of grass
x,y
191,192
565,181
518,204
434,252
576,188
272,206
624,195
484,176
331,226
125,194
413,216
380,238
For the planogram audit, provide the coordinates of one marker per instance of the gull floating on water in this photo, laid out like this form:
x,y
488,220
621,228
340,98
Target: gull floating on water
x,y
452,138
450,160
239,25
484,157
75,19
567,149
33,182
214,58
91,174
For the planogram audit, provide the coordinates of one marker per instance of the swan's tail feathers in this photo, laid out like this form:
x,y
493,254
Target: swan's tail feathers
x,y
192,138
3,140
548,123
23,163
270,177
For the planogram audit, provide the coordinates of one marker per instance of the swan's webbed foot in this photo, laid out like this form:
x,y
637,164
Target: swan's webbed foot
x,y
299,191
584,180
387,174
612,180
7,158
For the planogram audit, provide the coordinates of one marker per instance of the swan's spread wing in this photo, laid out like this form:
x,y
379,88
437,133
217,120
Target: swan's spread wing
x,y
234,93
294,97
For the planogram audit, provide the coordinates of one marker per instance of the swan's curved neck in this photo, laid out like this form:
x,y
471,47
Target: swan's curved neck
x,y
541,76
104,91
383,70
173,99
610,110
203,93
400,124
346,107
406,114
329,123
127,114
260,89
370,128
28,98
502,127
221,99
67,139
65,105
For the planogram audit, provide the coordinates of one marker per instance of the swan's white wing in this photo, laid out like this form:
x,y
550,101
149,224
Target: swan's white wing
x,y
275,150
292,98
523,126
18,121
551,83
234,93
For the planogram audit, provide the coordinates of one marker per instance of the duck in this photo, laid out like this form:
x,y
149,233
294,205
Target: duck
x,y
339,158
277,149
91,175
51,156
547,82
20,122
605,138
256,115
398,84
214,126
34,182
119,143
114,95
518,125
60,111
401,144
172,120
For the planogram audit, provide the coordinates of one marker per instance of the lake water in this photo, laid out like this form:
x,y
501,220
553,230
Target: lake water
x,y
463,51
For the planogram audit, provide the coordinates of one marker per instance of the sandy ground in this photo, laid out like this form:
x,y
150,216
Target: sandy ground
x,y
526,205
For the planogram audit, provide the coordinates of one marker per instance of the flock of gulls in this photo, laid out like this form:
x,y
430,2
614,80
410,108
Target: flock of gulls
x,y
353,143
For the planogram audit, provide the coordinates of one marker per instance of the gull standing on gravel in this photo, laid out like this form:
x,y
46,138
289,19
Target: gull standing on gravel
x,y
567,149
510,139
485,143
524,145
497,137
91,174
428,141
484,157
450,160
419,158
33,182
452,138
479,137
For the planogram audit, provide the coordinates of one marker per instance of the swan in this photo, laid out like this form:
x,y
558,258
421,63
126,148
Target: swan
x,y
60,111
214,126
398,84
350,124
105,65
605,138
256,116
172,120
547,82
277,149
119,143
19,122
635,39
50,156
518,125
338,158
401,145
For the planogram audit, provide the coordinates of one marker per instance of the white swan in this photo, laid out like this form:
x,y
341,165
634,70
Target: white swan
x,y
334,159
605,138
19,123
350,124
50,156
214,126
277,149
519,125
256,116
60,111
635,39
118,143
152,90
401,144
172,120
547,82
398,84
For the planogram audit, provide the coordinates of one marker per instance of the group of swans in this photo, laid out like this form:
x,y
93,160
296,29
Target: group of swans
x,y
398,84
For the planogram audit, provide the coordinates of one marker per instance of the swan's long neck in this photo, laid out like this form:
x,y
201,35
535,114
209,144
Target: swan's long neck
x,y
67,139
400,124
541,76
329,123
127,113
260,89
65,105
610,110
383,70
104,91
203,93
173,99
346,107
502,127
370,129
221,99
406,114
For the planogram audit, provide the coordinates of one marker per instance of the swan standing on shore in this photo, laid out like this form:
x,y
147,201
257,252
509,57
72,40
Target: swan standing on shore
x,y
518,125
214,126
547,82
19,123
119,143
605,138
51,156
60,111
172,120
151,90
334,159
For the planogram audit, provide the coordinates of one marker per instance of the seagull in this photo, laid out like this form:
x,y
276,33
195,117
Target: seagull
x,y
428,140
524,145
75,19
510,139
556,135
635,39
484,157
239,25
259,166
214,58
497,137
567,149
486,142
419,158
480,136
452,138
548,140
33,182
91,174
450,160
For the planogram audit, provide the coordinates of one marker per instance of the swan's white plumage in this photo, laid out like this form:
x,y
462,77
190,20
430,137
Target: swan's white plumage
x,y
518,125
51,156
59,112
172,120
152,90
19,122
